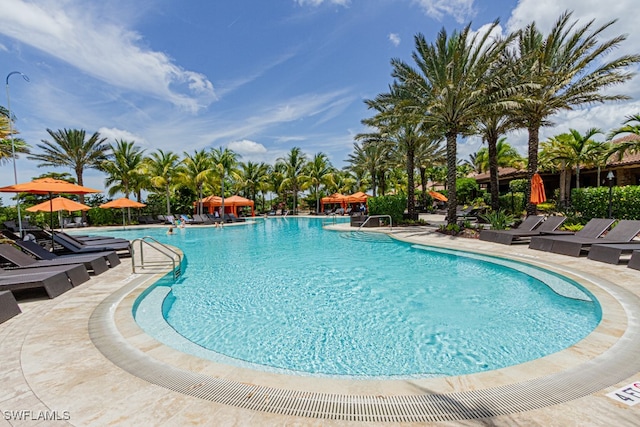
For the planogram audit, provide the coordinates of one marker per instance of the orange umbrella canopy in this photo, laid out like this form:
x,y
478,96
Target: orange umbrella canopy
x,y
122,202
537,190
438,196
58,204
46,186
358,197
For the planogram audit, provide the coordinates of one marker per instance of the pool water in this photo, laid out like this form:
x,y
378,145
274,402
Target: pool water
x,y
285,295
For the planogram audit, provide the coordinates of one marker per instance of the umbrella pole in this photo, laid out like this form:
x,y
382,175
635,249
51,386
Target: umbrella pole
x,y
123,224
51,219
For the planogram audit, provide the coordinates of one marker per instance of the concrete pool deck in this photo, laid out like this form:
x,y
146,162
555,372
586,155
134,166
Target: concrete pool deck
x,y
63,358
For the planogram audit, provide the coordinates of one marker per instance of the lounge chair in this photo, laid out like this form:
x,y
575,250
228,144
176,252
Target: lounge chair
x,y
41,253
97,264
529,223
592,230
468,214
8,306
53,283
521,234
213,219
623,232
634,261
71,246
232,218
77,273
611,252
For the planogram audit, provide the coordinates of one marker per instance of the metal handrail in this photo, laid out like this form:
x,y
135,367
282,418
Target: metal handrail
x,y
377,216
159,247
331,219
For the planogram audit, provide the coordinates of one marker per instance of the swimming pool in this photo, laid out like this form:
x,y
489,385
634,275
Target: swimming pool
x,y
286,296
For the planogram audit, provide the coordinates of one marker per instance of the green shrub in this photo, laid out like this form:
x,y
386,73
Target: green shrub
x,y
593,202
518,185
394,205
99,216
512,203
452,229
467,189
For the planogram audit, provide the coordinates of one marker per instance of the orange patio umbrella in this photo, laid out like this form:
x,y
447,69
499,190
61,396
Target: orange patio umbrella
x,y
122,203
537,190
57,205
334,198
438,196
47,186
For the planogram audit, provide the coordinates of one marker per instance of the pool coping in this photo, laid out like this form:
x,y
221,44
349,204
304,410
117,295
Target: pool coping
x,y
547,381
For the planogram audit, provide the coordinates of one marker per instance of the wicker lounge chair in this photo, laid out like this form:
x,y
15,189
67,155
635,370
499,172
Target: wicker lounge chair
x,y
592,230
8,306
623,232
97,264
611,252
53,283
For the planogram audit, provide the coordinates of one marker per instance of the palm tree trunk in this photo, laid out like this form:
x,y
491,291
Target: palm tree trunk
x,y
451,177
492,143
168,201
317,199
534,130
411,201
423,184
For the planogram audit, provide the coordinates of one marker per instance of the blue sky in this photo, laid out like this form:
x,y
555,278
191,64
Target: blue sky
x,y
259,77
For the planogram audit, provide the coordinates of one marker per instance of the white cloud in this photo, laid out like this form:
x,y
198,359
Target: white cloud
x,y
460,10
247,147
114,133
394,38
70,31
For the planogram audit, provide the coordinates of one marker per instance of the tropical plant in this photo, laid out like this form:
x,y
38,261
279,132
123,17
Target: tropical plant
x,y
451,86
162,168
71,149
195,173
567,68
293,171
223,162
630,126
318,171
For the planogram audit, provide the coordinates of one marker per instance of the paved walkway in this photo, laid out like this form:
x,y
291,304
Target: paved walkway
x,y
52,367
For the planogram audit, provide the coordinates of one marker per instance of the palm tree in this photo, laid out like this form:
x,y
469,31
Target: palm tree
x,y
318,172
567,68
578,150
630,126
8,142
195,173
251,177
293,165
162,168
370,157
71,149
124,169
223,162
451,86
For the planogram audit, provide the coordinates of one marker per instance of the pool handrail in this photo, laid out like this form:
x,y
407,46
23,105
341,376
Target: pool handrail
x,y
376,216
162,248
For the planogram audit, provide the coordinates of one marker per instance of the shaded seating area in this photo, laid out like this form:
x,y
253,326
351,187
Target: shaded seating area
x,y
623,232
148,219
232,218
535,226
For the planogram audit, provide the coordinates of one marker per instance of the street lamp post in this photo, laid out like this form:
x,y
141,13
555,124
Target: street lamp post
x,y
13,146
610,177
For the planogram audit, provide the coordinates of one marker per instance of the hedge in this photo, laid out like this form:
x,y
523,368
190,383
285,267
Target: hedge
x,y
388,205
594,202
